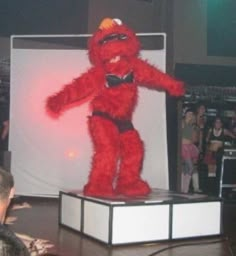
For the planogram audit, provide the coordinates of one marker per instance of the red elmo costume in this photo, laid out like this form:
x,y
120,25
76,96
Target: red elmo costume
x,y
113,84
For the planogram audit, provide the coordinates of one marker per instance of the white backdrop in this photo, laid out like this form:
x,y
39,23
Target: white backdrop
x,y
49,155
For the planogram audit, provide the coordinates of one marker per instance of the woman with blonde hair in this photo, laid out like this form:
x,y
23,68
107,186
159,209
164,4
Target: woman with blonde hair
x,y
189,150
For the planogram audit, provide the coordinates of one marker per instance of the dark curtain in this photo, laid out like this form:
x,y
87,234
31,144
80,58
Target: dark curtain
x,y
164,20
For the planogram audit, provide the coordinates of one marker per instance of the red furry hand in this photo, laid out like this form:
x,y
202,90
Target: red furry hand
x,y
177,89
54,105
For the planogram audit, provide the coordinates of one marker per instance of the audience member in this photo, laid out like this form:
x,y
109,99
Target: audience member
x,y
201,121
13,244
232,124
10,244
215,148
4,130
189,150
200,143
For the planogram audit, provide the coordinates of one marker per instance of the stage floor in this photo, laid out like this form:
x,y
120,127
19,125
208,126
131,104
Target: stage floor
x,y
162,215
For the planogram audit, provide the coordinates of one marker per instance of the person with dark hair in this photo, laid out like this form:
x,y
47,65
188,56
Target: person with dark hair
x,y
15,244
4,130
232,123
10,244
201,121
200,143
189,150
215,144
215,148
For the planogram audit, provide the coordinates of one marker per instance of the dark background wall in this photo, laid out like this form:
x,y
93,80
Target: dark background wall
x,y
199,31
82,16
195,32
43,17
221,27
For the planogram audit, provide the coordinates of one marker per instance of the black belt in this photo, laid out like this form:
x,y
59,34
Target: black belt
x,y
122,125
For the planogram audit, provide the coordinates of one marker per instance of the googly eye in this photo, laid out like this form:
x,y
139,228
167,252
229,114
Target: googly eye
x,y
117,21
122,36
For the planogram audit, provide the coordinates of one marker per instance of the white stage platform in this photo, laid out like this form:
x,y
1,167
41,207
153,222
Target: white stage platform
x,y
163,215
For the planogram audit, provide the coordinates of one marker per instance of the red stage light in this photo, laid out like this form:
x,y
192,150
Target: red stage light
x,y
71,154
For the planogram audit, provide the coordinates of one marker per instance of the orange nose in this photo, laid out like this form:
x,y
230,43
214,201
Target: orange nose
x,y
106,23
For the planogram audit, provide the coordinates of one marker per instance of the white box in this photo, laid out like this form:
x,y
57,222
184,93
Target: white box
x,y
163,215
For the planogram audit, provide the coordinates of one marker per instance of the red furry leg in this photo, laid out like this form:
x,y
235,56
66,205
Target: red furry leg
x,y
106,149
129,182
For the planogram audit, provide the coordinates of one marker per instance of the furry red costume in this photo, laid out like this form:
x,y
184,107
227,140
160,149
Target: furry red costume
x,y
113,82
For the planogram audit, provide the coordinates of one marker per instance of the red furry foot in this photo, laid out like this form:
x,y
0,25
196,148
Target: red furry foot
x,y
98,190
137,188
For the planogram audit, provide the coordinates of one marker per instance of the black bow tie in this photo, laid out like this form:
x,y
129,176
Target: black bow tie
x,y
113,80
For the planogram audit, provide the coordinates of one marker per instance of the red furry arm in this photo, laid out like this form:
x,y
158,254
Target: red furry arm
x,y
149,76
80,88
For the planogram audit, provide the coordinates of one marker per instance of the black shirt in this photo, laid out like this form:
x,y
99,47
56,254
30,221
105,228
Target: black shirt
x,y
10,244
